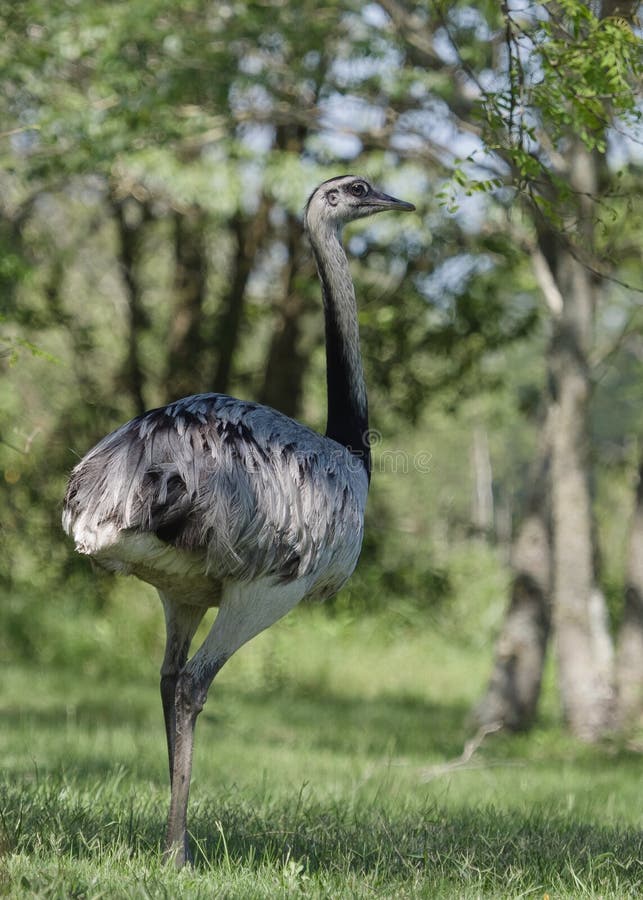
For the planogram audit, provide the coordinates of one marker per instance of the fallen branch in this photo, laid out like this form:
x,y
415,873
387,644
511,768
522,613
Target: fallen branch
x,y
470,748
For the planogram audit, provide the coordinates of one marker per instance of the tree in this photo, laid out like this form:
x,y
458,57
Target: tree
x,y
190,137
512,695
630,644
577,177
563,74
186,361
130,216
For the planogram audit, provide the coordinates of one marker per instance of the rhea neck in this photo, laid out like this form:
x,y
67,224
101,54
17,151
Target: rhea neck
x,y
347,404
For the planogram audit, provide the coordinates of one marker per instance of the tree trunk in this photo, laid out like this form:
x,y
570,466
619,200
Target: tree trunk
x,y
248,235
482,511
286,361
580,621
629,660
186,340
514,687
130,216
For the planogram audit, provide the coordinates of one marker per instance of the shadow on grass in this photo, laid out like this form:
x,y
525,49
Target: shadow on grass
x,y
88,813
303,717
475,844
479,847
399,724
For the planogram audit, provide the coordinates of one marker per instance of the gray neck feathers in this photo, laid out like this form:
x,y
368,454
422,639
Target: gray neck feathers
x,y
347,403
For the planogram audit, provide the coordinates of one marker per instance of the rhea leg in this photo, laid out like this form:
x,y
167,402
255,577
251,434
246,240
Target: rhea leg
x,y
246,609
181,622
191,694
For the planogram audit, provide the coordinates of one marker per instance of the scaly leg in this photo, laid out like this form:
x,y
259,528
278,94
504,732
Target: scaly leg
x,y
191,694
246,609
181,623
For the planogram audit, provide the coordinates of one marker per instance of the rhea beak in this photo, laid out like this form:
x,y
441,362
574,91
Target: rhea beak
x,y
380,201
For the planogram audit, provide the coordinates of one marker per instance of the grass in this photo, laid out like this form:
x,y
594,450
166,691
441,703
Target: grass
x,y
318,773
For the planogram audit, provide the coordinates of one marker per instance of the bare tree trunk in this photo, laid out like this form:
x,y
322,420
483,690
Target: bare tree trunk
x,y
186,338
580,620
512,695
130,216
629,660
286,361
248,235
482,511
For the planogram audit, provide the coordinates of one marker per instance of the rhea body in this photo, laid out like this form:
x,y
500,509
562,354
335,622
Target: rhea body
x,y
222,502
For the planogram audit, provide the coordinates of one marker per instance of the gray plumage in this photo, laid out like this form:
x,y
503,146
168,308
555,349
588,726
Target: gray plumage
x,y
222,502
238,488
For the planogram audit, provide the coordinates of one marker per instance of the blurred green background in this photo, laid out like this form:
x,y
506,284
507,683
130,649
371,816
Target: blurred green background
x,y
155,158
155,161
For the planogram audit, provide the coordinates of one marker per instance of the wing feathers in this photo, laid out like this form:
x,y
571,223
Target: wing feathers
x,y
251,489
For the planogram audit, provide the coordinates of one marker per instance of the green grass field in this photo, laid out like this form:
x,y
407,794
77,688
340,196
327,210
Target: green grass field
x,y
323,768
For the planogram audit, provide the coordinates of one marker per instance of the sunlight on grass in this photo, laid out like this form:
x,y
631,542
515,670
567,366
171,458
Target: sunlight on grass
x,y
321,769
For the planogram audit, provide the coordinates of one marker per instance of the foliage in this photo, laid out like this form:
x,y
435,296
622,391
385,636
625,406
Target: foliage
x,y
160,108
318,735
569,70
123,112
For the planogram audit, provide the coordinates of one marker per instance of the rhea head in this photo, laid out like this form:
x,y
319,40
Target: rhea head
x,y
345,198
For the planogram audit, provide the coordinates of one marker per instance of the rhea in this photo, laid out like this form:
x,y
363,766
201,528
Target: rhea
x,y
223,502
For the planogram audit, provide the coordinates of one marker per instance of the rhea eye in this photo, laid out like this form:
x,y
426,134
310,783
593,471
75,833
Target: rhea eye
x,y
359,189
